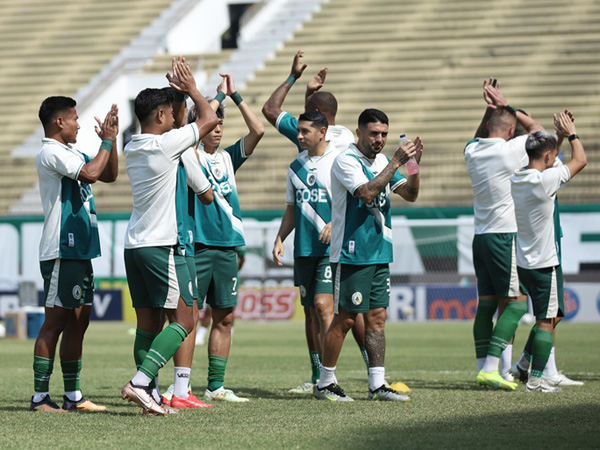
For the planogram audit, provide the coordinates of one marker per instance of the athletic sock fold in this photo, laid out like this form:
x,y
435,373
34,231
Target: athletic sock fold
x,y
505,327
163,348
181,382
483,326
71,371
42,369
216,372
542,346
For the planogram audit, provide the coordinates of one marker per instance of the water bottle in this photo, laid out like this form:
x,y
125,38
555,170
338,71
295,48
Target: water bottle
x,y
412,165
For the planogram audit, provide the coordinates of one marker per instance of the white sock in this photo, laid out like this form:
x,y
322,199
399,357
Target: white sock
x,y
376,377
39,396
201,335
491,363
480,362
550,370
141,379
506,359
327,376
74,396
181,385
156,391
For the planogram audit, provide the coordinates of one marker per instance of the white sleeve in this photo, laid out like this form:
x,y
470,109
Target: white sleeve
x,y
177,141
63,162
290,198
517,147
554,177
348,171
196,179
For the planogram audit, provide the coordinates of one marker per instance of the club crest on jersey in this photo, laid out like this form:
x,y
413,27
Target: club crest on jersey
x,y
357,298
77,292
217,173
311,179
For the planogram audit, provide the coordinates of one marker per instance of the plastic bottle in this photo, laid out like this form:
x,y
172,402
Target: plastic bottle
x,y
412,165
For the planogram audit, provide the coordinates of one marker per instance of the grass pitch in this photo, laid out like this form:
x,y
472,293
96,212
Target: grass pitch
x,y
435,360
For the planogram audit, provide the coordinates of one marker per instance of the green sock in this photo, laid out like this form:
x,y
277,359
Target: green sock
x,y
71,371
542,346
315,365
363,352
528,350
42,369
483,326
216,372
163,348
141,345
505,327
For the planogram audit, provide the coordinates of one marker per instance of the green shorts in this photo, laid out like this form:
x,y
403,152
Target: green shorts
x,y
217,275
545,288
313,276
357,289
158,277
68,283
191,263
495,262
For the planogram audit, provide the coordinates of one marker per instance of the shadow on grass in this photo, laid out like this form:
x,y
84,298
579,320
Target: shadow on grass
x,y
551,427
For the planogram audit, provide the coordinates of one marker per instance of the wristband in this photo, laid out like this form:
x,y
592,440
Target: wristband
x,y
106,145
573,137
236,97
512,108
290,80
219,97
178,97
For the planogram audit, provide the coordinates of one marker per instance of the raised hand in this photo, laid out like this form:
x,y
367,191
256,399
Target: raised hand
x,y
486,96
418,148
494,95
318,80
564,123
182,79
298,66
405,151
109,129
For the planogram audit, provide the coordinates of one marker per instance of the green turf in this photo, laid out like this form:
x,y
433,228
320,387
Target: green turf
x,y
436,360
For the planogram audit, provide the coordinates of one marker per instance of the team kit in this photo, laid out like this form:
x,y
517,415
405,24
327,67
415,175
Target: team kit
x,y
183,239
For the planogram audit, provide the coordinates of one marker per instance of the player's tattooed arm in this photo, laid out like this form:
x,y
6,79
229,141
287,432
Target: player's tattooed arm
x,y
409,191
272,107
368,191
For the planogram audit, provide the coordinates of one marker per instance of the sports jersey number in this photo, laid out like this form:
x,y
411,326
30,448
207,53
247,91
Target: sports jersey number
x,y
328,273
233,289
316,195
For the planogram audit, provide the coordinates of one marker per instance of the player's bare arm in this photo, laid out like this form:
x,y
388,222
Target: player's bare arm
x,y
272,107
565,126
316,83
111,171
183,81
368,191
106,130
482,130
286,227
409,191
179,109
499,100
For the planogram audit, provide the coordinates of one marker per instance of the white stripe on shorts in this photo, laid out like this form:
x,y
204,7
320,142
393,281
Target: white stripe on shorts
x,y
513,287
173,292
336,289
52,298
553,299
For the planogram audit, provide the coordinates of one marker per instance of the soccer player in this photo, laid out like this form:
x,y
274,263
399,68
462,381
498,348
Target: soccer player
x,y
550,377
219,231
361,248
341,137
309,212
157,273
534,191
490,162
69,242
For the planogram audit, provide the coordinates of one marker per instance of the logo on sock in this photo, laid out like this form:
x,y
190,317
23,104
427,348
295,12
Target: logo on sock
x,y
183,375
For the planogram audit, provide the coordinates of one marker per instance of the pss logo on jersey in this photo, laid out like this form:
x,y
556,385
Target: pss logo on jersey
x,y
311,179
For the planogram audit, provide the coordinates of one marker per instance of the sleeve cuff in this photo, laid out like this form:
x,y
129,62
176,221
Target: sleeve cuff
x,y
398,184
279,119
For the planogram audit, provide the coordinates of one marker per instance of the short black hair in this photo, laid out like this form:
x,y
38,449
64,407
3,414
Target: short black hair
x,y
322,101
193,112
151,98
540,141
52,106
372,115
317,119
502,118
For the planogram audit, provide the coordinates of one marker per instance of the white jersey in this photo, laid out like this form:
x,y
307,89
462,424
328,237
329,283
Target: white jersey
x,y
341,137
534,193
152,162
70,226
490,163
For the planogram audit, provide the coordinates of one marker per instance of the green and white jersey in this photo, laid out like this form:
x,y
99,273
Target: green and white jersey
x,y
309,190
220,223
70,226
361,234
190,182
152,162
287,125
534,194
490,163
